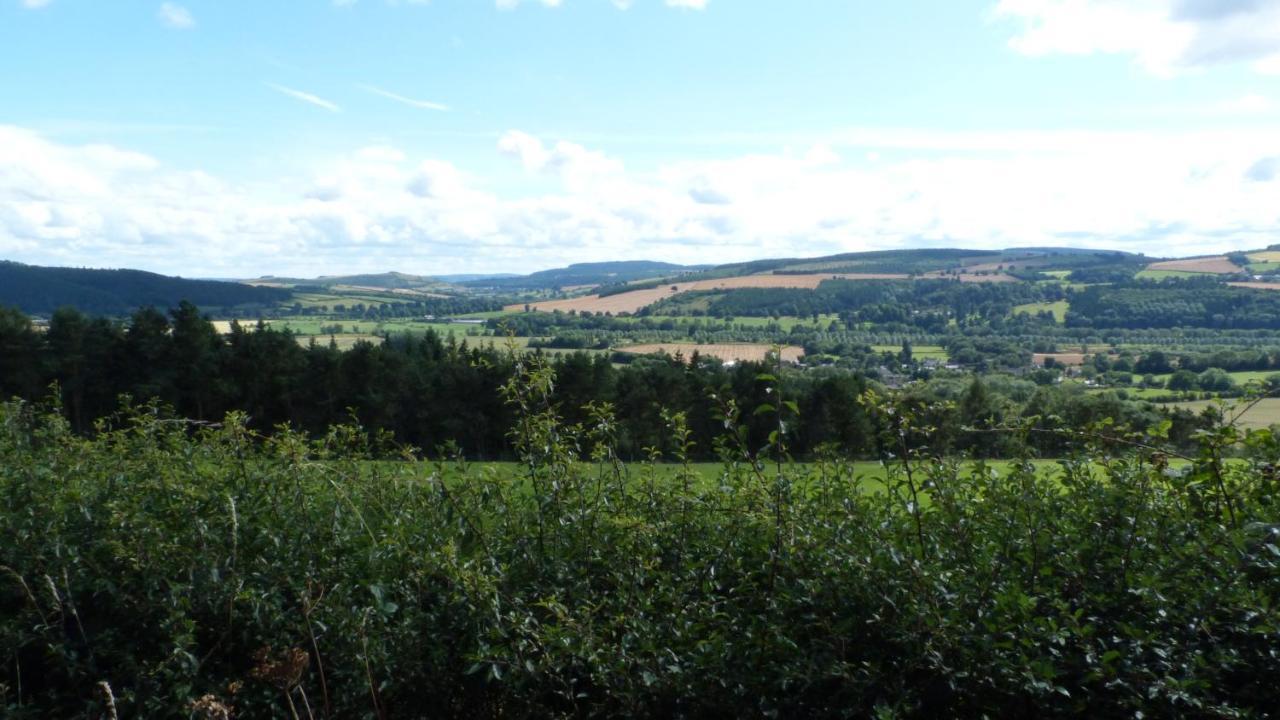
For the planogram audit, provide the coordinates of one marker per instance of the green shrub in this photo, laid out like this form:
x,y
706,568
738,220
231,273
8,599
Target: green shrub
x,y
194,568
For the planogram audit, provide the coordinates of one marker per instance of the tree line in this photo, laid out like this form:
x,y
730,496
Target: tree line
x,y
430,391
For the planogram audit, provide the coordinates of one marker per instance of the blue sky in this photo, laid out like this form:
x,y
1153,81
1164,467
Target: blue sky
x,y
236,138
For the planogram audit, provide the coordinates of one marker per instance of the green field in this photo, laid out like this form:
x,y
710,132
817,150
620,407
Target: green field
x,y
1059,309
1247,414
1162,274
921,352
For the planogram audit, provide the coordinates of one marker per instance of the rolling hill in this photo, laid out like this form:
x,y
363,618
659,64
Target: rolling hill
x,y
41,290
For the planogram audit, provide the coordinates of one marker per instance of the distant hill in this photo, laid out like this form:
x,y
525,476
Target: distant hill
x,y
41,290
603,273
381,281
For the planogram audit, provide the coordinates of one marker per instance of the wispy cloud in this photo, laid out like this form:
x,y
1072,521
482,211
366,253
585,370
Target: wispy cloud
x,y
424,104
33,4
306,97
176,16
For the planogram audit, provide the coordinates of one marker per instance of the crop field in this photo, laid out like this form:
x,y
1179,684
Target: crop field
x,y
1217,265
1266,256
745,352
1256,285
1059,309
1072,359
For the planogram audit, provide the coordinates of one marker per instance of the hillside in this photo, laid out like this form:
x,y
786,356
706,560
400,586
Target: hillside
x,y
580,274
377,281
41,290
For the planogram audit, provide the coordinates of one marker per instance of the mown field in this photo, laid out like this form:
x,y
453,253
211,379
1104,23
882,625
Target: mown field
x,y
1059,309
1248,414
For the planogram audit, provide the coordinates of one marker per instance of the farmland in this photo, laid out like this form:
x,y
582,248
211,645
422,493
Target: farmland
x,y
1218,265
471,503
633,301
730,353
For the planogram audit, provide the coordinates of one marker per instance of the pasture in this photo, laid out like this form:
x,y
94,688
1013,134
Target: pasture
x,y
1245,414
1059,309
1150,274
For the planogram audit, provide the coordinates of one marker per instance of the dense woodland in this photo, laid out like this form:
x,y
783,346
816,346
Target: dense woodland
x,y
119,292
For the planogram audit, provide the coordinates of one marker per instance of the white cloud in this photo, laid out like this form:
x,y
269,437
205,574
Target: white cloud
x,y
306,97
512,4
1163,36
378,208
423,104
176,16
35,4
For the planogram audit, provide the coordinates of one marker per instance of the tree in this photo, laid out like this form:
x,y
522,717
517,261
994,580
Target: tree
x,y
1182,381
20,366
1215,380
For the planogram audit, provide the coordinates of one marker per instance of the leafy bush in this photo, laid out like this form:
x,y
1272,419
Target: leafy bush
x,y
178,572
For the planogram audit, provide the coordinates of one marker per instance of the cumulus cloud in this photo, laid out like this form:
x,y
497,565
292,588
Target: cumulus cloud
x,y
379,207
176,16
1163,36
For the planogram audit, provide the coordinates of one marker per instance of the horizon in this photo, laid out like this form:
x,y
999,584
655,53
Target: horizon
x,y
338,137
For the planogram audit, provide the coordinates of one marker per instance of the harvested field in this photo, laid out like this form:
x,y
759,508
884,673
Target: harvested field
x,y
1067,359
627,302
1256,285
728,352
630,302
1218,265
1265,256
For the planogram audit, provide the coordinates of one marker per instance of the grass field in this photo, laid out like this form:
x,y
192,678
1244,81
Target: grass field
x,y
920,352
1059,309
1150,274
1247,414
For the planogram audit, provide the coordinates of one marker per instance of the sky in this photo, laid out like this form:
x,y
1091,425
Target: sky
x,y
239,138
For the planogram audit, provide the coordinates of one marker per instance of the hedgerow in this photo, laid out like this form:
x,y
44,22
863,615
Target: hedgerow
x,y
157,569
